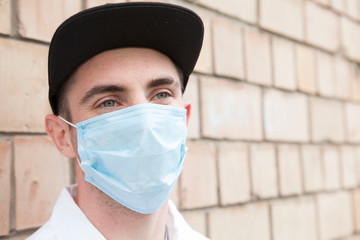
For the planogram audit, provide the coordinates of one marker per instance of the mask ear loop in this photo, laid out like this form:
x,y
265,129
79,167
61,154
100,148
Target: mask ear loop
x,y
67,121
78,161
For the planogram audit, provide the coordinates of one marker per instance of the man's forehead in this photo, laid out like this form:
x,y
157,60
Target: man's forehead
x,y
125,58
121,54
122,66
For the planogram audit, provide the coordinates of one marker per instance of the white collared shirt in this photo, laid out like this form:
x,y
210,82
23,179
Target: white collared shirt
x,y
69,222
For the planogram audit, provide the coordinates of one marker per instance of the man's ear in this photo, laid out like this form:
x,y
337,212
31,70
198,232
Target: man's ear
x,y
59,132
187,106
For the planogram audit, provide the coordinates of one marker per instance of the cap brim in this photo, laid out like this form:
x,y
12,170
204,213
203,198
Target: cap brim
x,y
173,30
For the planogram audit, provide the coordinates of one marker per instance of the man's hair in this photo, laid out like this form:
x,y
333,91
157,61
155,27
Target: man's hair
x,y
63,103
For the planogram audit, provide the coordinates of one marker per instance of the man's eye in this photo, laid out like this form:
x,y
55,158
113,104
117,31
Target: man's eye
x,y
108,103
161,95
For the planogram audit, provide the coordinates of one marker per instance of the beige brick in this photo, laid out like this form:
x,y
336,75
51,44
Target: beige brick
x,y
355,82
331,162
284,63
324,3
25,91
294,219
192,95
257,55
94,3
335,215
349,167
250,222
357,237
263,170
233,167
38,180
352,112
242,9
38,19
285,116
5,185
356,203
305,69
160,1
342,78
312,168
322,27
229,61
327,120
5,17
236,116
358,163
198,180
326,74
289,169
283,16
205,62
350,38
338,5
352,8
197,220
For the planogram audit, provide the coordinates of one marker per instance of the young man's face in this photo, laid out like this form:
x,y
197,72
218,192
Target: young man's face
x,y
120,78
110,81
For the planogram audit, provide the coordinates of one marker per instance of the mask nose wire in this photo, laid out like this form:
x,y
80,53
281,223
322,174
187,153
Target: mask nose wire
x,y
67,121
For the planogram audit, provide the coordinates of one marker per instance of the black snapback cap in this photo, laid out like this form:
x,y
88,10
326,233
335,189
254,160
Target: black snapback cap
x,y
170,29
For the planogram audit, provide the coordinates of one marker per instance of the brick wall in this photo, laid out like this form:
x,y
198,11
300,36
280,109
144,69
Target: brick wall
x,y
275,128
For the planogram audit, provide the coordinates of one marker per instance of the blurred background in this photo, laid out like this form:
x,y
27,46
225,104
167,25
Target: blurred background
x,y
274,135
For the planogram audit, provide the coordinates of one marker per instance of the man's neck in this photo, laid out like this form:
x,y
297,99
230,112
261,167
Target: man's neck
x,y
115,221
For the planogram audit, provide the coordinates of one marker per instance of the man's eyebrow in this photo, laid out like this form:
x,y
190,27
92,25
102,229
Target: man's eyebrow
x,y
161,81
100,89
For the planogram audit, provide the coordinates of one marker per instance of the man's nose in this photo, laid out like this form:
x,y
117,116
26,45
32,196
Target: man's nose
x,y
137,98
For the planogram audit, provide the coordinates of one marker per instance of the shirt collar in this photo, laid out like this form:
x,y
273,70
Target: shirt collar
x,y
68,221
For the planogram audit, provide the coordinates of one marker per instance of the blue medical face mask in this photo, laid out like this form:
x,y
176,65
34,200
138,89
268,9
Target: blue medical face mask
x,y
134,155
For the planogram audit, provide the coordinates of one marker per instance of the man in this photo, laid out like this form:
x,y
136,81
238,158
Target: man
x,y
116,77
